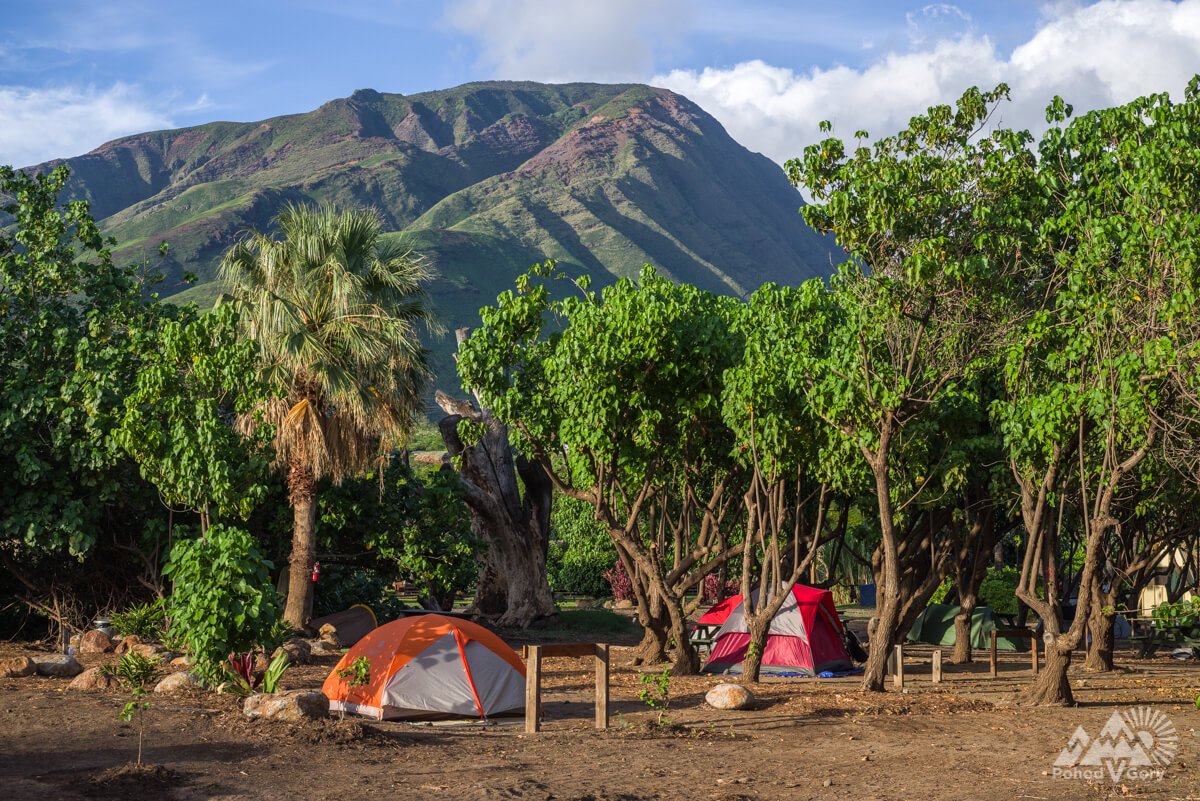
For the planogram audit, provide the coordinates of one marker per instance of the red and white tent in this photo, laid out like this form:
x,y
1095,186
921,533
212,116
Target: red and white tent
x,y
805,638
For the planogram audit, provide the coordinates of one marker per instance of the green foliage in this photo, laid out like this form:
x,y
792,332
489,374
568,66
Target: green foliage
x,y
580,549
997,590
275,671
341,587
416,528
1180,614
195,377
145,620
223,599
655,692
135,672
357,673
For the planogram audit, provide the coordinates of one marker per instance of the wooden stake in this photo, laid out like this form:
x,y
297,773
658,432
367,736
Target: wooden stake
x,y
937,666
533,688
602,686
898,676
994,668
1033,641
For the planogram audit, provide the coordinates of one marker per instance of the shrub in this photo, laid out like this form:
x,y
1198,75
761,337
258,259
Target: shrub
x,y
997,590
223,600
147,621
622,587
580,549
709,589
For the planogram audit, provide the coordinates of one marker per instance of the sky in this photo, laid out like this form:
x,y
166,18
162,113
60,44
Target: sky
x,y
77,73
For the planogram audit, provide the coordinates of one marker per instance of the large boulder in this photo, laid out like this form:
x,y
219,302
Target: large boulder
x,y
95,642
730,696
177,682
96,678
59,667
298,651
291,707
18,667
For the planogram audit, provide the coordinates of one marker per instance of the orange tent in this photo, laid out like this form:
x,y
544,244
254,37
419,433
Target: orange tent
x,y
430,666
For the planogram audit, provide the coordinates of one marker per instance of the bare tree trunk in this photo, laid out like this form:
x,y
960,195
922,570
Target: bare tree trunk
x,y
1052,687
971,570
516,525
1102,623
752,663
302,491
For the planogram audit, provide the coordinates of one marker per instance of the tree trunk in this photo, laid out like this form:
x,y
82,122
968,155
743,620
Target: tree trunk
x,y
302,492
882,638
514,589
1052,687
962,631
1102,625
752,663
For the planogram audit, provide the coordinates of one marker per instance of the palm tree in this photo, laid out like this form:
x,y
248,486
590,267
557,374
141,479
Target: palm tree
x,y
336,310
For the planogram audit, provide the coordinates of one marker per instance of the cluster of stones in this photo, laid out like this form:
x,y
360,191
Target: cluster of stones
x,y
288,706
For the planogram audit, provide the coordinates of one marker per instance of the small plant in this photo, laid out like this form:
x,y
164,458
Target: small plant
x,y
618,579
656,693
135,672
355,674
145,621
274,672
241,670
1181,614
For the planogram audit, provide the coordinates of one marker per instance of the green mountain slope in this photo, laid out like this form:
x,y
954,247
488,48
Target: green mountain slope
x,y
485,178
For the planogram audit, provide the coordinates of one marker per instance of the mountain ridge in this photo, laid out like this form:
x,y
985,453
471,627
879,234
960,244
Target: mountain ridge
x,y
486,178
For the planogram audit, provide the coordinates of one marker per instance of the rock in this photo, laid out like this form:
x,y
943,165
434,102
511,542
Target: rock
x,y
292,706
18,667
730,696
827,783
608,604
329,634
261,663
323,647
59,667
96,678
95,642
298,651
74,641
584,603
623,604
151,650
179,681
180,661
128,642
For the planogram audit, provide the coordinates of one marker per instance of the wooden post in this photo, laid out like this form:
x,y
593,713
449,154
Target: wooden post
x,y
994,670
898,676
602,686
533,688
891,664
1033,641
937,666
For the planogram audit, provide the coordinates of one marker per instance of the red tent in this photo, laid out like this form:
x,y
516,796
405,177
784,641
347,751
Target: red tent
x,y
805,637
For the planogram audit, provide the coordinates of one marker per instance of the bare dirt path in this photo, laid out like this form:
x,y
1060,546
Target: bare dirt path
x,y
806,739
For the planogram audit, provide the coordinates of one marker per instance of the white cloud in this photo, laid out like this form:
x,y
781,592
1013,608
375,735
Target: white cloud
x,y
557,40
1093,56
37,125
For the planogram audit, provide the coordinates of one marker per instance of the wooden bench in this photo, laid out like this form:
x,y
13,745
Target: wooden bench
x,y
533,655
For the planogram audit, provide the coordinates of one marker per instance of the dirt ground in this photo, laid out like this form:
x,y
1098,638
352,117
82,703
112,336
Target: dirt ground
x,y
806,738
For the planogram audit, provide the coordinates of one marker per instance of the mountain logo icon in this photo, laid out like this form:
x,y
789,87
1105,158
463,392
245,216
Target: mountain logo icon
x,y
1134,743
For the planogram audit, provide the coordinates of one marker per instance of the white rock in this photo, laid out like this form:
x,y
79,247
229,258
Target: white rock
x,y
291,706
730,696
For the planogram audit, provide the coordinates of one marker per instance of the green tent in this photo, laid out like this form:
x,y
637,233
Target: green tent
x,y
935,626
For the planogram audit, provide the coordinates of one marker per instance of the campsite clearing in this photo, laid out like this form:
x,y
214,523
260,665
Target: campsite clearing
x,y
807,738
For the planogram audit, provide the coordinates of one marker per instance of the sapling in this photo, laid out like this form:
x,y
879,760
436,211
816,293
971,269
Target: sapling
x,y
135,671
656,692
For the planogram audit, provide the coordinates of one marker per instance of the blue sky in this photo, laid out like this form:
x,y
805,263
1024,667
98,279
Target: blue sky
x,y
77,73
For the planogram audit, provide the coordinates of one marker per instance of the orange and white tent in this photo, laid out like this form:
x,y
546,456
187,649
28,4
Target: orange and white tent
x,y
430,666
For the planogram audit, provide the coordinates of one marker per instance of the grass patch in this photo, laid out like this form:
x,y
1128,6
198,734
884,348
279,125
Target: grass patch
x,y
594,621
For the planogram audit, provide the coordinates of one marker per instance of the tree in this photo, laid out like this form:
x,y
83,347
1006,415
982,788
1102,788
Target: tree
x,y
336,311
934,219
1096,377
621,409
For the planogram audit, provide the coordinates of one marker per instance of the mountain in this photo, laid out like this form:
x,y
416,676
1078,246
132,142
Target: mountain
x,y
485,179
